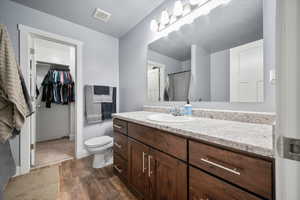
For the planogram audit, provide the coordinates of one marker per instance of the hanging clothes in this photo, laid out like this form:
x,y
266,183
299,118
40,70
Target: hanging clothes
x,y
58,87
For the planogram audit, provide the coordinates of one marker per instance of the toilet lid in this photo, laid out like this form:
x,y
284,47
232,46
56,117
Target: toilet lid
x,y
98,141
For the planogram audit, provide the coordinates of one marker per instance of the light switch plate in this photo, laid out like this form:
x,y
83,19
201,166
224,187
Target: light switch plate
x,y
272,76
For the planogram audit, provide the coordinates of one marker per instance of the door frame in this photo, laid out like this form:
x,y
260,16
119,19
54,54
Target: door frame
x,y
162,77
25,34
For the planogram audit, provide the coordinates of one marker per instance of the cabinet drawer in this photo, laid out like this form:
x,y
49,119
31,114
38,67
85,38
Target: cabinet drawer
x,y
161,140
206,187
250,173
120,144
120,126
120,167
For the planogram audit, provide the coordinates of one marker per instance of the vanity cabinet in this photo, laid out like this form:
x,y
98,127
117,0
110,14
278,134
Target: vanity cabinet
x,y
206,187
167,177
160,140
251,173
120,126
120,149
154,175
158,165
137,165
120,144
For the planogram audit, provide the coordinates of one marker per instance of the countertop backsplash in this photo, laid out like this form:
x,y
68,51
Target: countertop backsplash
x,y
239,116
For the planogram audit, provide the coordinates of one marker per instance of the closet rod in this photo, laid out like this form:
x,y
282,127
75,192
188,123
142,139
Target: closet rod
x,y
47,63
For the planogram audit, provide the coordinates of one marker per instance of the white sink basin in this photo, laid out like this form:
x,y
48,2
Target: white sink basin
x,y
168,118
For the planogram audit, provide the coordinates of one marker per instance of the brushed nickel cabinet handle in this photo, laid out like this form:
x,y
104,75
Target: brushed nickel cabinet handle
x,y
144,154
234,171
118,169
149,166
117,126
118,145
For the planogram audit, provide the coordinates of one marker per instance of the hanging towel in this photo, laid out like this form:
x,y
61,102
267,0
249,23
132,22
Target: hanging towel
x,y
109,108
101,90
103,94
96,98
13,106
92,109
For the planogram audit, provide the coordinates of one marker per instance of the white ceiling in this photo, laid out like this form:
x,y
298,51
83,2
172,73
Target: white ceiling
x,y
239,22
125,13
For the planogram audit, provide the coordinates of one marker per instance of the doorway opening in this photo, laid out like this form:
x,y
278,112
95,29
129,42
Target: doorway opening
x,y
52,66
52,84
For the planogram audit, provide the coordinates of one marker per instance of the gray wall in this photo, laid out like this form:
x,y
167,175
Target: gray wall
x,y
133,56
201,74
220,76
171,65
100,51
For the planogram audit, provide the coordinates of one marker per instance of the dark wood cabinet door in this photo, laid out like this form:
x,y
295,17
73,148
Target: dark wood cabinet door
x,y
137,167
206,187
251,173
167,177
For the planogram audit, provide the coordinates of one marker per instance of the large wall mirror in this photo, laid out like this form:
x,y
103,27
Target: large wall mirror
x,y
219,57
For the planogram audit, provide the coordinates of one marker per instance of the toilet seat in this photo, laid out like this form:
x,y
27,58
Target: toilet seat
x,y
98,141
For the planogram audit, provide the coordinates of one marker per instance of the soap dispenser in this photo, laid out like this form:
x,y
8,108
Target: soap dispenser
x,y
188,108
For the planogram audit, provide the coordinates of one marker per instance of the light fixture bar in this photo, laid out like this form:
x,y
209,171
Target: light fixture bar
x,y
203,8
186,16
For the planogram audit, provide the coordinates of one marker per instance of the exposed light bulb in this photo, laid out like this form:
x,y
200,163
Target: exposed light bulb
x,y
154,25
161,27
178,8
187,9
164,17
173,19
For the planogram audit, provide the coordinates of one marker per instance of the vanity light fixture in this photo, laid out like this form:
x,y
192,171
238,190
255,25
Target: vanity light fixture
x,y
165,19
154,25
225,1
194,2
178,8
186,9
198,2
202,2
161,27
173,19
184,14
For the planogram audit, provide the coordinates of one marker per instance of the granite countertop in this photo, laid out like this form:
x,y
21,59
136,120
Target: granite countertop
x,y
249,137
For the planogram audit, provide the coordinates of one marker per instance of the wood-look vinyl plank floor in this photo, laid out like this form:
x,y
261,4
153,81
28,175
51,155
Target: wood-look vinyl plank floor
x,y
53,152
79,181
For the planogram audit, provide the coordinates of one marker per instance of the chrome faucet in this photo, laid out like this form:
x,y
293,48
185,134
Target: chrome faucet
x,y
176,111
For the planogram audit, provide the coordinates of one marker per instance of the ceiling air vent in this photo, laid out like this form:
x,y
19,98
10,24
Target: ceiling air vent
x,y
102,15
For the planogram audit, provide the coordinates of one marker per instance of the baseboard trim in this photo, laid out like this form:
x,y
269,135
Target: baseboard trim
x,y
18,171
82,154
72,136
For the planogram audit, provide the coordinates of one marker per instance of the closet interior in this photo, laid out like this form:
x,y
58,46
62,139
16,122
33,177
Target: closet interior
x,y
54,90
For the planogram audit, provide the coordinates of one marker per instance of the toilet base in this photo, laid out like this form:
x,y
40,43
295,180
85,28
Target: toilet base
x,y
102,160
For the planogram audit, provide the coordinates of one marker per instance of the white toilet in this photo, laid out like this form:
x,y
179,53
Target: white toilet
x,y
101,147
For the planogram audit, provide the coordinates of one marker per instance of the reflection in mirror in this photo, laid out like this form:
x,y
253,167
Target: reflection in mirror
x,y
219,57
168,72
